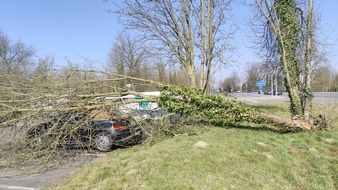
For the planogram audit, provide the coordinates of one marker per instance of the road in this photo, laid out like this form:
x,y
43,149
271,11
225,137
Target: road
x,y
323,97
34,181
10,180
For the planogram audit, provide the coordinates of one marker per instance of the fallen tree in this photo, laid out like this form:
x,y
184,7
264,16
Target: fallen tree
x,y
226,109
22,109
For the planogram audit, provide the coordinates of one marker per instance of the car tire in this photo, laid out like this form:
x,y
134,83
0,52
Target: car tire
x,y
34,136
103,141
36,141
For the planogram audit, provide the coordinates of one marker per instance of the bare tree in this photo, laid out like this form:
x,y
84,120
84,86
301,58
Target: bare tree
x,y
187,29
15,58
127,55
232,82
334,83
253,74
116,62
16,63
69,76
162,72
322,78
42,76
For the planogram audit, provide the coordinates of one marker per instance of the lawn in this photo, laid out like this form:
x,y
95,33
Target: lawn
x,y
234,158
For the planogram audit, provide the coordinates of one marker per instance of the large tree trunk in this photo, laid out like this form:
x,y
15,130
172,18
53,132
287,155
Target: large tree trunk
x,y
210,45
307,92
289,124
191,74
202,46
289,30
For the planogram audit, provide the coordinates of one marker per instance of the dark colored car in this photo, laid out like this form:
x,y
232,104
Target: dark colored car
x,y
79,129
278,92
269,92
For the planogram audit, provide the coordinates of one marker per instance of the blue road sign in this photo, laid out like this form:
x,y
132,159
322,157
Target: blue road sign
x,y
260,83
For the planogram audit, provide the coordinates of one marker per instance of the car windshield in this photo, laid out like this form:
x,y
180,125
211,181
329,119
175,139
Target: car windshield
x,y
72,117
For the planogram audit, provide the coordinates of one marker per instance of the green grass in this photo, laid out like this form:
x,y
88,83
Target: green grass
x,y
235,158
281,109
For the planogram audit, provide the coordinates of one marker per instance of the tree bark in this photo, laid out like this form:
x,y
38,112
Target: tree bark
x,y
307,92
282,19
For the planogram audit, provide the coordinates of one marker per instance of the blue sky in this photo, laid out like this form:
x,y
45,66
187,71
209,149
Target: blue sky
x,y
81,30
70,30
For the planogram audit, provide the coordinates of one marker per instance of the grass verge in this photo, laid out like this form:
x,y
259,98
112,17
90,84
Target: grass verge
x,y
235,158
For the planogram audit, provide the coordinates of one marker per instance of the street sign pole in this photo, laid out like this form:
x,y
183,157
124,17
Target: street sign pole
x,y
260,84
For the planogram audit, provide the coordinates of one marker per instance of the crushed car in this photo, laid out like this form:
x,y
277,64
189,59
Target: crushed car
x,y
147,111
81,129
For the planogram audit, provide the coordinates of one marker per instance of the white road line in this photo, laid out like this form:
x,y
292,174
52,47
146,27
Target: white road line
x,y
249,100
15,187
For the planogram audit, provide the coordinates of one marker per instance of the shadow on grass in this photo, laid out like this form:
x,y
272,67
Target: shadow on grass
x,y
271,108
261,127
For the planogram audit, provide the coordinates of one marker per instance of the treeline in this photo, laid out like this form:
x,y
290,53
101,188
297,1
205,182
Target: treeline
x,y
22,72
324,78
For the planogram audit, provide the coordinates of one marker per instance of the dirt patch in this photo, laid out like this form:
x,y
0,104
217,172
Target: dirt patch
x,y
201,144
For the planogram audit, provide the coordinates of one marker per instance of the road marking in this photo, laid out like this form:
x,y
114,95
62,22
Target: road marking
x,y
15,187
249,100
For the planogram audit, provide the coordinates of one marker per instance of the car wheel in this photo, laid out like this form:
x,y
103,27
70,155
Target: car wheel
x,y
34,136
36,141
103,142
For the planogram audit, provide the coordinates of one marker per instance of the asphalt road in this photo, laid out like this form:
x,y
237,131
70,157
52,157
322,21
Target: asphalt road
x,y
34,181
10,180
323,97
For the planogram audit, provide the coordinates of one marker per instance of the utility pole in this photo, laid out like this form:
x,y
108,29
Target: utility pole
x,y
272,84
276,86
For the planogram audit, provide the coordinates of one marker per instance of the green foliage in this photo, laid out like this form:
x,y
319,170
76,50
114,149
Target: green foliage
x,y
216,109
289,42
